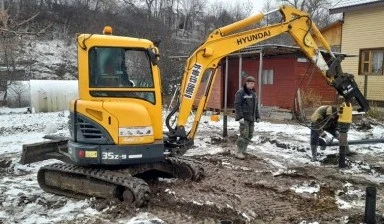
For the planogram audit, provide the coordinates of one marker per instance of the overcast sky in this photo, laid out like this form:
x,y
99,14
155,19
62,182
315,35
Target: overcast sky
x,y
257,5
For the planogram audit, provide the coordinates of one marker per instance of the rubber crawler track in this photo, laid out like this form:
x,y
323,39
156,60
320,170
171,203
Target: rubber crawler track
x,y
138,187
179,167
182,163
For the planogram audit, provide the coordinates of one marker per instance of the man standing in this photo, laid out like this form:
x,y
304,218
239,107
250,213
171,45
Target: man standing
x,y
247,114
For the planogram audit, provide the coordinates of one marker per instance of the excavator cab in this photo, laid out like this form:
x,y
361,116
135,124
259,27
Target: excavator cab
x,y
115,120
116,134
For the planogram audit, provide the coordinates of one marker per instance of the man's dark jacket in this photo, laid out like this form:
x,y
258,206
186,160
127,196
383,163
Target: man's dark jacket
x,y
246,105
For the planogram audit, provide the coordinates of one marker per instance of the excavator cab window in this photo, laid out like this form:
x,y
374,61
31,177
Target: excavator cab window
x,y
116,68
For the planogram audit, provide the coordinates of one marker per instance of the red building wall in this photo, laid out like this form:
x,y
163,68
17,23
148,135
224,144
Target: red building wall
x,y
315,83
281,93
215,100
287,74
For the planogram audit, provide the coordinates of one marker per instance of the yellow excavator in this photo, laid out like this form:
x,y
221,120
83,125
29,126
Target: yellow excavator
x,y
116,125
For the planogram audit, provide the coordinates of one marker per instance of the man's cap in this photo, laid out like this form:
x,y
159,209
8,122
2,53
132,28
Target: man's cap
x,y
250,79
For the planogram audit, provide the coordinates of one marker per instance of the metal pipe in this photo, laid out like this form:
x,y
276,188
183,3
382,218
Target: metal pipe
x,y
240,70
343,143
370,205
360,142
272,11
260,80
224,31
225,131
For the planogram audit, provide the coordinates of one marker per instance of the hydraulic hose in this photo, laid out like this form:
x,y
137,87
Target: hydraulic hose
x,y
168,118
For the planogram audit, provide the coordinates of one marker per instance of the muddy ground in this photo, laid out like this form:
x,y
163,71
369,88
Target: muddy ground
x,y
254,190
245,191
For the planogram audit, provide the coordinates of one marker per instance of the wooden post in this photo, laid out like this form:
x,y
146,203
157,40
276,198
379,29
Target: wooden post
x,y
300,104
365,85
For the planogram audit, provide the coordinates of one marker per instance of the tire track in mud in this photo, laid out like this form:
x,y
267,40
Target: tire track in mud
x,y
243,193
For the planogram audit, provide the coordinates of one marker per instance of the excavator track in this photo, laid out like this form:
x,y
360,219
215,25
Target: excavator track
x,y
82,182
175,167
187,168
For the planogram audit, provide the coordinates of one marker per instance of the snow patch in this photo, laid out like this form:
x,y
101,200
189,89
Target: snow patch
x,y
144,218
17,129
310,188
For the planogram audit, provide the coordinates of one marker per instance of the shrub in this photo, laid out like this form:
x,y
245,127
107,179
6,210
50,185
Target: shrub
x,y
376,112
310,98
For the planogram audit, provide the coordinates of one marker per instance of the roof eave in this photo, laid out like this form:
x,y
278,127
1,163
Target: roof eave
x,y
356,7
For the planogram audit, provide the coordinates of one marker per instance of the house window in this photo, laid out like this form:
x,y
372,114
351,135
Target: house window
x,y
372,61
267,77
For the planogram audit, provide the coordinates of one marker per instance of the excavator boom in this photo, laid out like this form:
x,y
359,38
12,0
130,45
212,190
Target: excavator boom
x,y
202,63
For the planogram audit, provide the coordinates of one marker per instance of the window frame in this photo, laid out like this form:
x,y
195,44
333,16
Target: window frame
x,y
146,93
267,77
363,61
118,87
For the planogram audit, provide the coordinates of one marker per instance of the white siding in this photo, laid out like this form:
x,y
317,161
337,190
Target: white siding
x,y
363,29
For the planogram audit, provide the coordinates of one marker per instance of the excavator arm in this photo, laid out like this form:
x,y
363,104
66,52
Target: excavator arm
x,y
201,65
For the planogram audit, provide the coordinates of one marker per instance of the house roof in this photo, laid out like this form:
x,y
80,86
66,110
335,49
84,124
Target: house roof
x,y
332,25
273,50
267,49
354,5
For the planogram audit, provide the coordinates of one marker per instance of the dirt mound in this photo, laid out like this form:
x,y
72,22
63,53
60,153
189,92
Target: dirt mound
x,y
365,123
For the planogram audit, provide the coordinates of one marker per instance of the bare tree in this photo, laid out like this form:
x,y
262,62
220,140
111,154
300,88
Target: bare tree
x,y
219,14
4,15
12,29
318,9
8,63
240,10
191,9
273,18
19,90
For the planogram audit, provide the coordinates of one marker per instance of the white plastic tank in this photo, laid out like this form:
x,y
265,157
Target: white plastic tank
x,y
52,95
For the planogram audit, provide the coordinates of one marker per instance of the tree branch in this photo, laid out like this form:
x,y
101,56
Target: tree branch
x,y
27,20
44,29
29,33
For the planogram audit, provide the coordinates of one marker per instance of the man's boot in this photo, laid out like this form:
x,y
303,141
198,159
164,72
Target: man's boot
x,y
348,152
314,153
241,147
239,155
